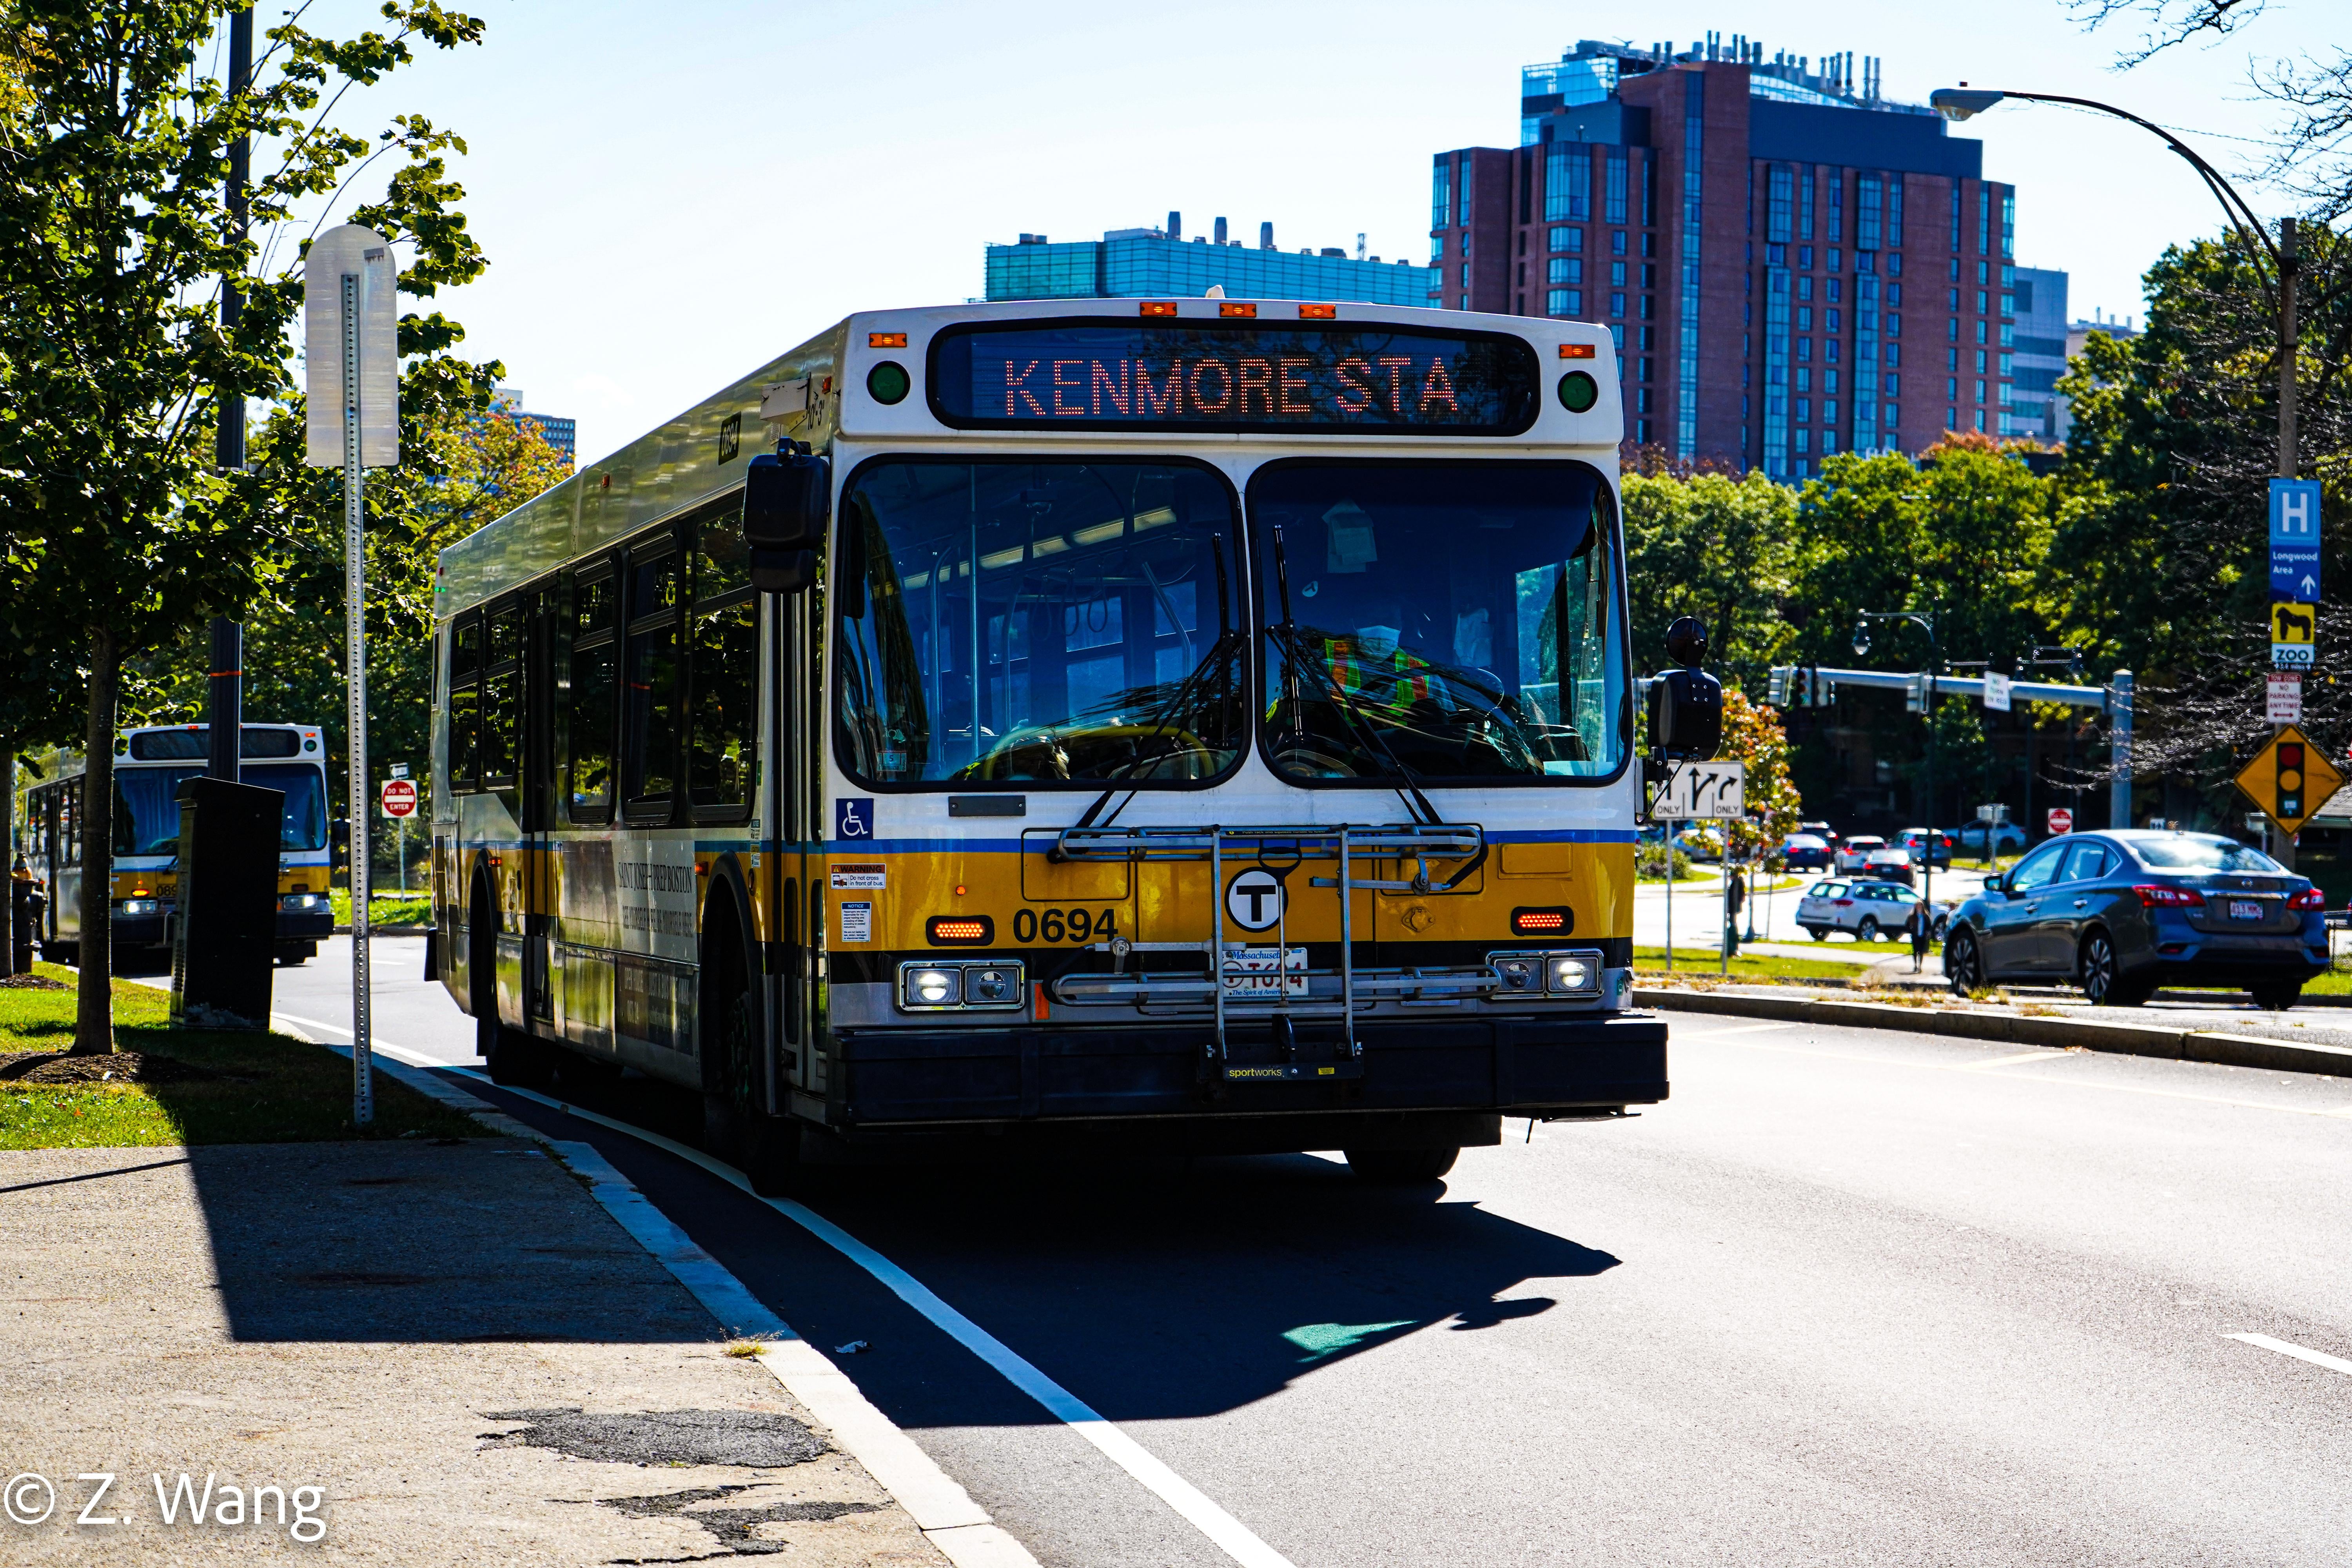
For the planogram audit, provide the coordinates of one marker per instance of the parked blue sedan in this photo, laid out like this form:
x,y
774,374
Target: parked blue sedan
x,y
2121,913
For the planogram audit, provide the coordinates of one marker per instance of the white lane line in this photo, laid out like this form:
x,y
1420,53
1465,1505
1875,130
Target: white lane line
x,y
2019,1059
2066,1082
1193,1505
2316,1358
1719,1034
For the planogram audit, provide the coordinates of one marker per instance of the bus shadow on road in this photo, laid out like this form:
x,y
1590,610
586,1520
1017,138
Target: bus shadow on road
x,y
1165,1289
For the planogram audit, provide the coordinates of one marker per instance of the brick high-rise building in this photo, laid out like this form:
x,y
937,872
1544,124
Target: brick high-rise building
x,y
1792,265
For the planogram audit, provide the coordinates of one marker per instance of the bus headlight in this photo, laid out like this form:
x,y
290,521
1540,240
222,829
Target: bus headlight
x,y
1573,974
291,903
137,907
931,986
1520,973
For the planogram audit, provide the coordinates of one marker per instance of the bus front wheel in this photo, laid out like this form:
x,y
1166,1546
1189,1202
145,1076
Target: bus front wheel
x,y
1400,1167
736,1125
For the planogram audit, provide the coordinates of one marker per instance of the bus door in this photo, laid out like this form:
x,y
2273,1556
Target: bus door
x,y
789,813
538,785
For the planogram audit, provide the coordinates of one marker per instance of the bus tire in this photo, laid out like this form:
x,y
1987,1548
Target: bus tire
x,y
514,1058
1402,1167
736,1126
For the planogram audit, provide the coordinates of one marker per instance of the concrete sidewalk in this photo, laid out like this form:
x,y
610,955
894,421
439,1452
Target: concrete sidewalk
x,y
463,1351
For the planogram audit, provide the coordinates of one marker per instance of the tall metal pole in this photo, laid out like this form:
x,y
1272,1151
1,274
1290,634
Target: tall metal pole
x,y
225,694
2284,851
355,653
1935,665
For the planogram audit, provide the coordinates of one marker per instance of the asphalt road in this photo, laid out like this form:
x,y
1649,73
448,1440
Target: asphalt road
x,y
1849,1296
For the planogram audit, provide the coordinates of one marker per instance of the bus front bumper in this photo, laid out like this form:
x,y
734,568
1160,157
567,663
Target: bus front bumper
x,y
1487,1066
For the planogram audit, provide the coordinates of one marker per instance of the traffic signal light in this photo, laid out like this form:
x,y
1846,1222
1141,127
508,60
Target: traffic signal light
x,y
2290,778
1914,695
1777,688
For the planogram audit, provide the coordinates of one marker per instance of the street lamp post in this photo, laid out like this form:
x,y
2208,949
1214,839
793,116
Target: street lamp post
x,y
1961,102
1926,621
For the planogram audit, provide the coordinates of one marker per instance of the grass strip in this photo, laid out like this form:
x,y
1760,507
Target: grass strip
x,y
1652,959
413,909
247,1086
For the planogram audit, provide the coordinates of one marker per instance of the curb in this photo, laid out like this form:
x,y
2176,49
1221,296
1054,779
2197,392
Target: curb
x,y
2058,1034
375,930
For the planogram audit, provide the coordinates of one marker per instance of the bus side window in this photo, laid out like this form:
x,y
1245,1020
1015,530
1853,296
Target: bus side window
x,y
464,704
502,697
725,673
588,735
649,693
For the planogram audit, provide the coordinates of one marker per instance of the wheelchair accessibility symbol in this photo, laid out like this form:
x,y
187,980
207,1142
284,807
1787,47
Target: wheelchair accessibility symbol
x,y
853,818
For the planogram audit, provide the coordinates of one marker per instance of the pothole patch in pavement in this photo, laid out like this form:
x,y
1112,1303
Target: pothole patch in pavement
x,y
751,1438
732,1528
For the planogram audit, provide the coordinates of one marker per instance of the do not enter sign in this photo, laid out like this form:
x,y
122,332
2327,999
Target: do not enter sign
x,y
2061,820
399,798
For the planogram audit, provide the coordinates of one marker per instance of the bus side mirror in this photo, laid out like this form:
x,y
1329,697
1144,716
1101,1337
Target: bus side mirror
x,y
787,500
1686,704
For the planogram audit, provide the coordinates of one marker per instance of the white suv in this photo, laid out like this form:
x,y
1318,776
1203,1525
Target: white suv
x,y
1873,911
1852,852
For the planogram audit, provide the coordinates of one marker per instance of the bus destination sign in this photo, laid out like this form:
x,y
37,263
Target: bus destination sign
x,y
1377,378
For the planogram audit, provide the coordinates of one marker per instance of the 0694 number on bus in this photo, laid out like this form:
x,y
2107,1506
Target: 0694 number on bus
x,y
1065,925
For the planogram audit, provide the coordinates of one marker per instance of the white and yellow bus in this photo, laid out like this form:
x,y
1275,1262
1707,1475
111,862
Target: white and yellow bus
x,y
1193,724
151,762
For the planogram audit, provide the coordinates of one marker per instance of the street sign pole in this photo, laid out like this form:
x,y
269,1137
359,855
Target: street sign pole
x,y
351,333
355,653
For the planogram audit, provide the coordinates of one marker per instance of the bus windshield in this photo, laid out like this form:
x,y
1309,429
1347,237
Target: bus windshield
x,y
1028,620
1439,620
147,812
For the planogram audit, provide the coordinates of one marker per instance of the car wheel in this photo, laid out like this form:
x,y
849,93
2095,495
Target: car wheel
x,y
1868,930
2103,981
2278,995
1819,933
1964,965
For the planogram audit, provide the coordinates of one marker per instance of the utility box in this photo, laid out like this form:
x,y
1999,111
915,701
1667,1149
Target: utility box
x,y
224,931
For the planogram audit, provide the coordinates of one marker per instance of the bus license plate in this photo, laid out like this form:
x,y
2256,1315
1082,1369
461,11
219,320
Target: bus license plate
x,y
2245,910
1251,976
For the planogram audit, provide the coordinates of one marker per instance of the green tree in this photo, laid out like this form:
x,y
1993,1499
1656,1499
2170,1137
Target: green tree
x,y
1720,548
1752,735
113,237
460,469
2158,561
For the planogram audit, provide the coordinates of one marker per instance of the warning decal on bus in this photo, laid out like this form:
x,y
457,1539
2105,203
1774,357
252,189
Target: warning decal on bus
x,y
874,878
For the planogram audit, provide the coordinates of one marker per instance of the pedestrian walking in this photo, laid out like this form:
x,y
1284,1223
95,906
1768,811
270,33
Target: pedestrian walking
x,y
1921,924
1735,898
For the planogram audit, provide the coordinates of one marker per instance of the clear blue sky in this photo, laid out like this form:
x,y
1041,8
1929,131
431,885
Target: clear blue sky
x,y
672,193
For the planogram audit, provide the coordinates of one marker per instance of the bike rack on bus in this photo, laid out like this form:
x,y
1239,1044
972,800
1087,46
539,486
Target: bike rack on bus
x,y
1282,849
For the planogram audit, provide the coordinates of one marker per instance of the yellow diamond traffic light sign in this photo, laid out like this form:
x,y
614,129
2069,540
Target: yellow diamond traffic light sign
x,y
2289,779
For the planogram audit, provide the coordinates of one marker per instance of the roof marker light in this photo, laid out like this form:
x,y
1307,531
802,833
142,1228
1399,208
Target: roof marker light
x,y
1157,308
1318,313
1238,308
885,339
1578,351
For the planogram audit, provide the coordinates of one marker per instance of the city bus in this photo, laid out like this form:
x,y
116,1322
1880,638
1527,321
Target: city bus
x,y
1199,725
151,762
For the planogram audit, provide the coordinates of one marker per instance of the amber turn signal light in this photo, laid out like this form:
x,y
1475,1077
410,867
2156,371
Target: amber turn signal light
x,y
960,931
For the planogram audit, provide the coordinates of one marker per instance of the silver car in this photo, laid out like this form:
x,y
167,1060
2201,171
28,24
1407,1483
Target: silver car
x,y
1872,911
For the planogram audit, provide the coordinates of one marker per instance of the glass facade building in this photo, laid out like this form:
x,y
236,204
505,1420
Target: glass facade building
x,y
1148,267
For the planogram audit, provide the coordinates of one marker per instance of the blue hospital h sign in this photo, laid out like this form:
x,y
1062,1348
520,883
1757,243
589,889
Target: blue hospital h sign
x,y
2295,541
